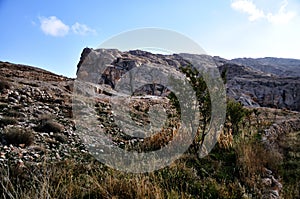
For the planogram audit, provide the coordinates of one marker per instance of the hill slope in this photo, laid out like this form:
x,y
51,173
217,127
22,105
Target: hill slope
x,y
42,155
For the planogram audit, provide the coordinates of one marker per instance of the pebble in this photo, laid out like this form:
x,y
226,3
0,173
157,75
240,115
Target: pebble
x,y
36,155
267,181
21,164
274,194
2,155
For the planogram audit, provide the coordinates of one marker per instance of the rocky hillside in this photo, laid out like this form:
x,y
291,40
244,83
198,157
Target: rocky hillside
x,y
38,103
43,156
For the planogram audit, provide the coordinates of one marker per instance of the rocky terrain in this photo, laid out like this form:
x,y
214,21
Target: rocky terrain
x,y
265,82
38,127
263,86
32,98
271,65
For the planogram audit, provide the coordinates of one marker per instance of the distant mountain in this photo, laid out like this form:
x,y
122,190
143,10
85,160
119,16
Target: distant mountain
x,y
274,66
267,82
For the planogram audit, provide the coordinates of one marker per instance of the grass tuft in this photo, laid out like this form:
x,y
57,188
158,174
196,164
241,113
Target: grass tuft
x,y
18,135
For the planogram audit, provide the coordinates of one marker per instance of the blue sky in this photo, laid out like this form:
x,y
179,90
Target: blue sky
x,y
51,34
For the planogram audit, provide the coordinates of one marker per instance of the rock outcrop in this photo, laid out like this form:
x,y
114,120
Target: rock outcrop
x,y
255,88
276,66
255,83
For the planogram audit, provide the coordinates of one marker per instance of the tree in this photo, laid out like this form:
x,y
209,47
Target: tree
x,y
235,114
202,94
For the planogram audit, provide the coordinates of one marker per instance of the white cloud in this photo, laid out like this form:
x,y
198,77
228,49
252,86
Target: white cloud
x,y
282,16
82,29
53,26
248,7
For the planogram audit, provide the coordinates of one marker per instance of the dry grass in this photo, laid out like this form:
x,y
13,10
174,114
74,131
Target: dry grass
x,y
18,135
47,124
226,173
7,121
72,180
253,158
4,84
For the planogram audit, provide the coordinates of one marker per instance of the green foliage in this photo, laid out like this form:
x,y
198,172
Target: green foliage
x,y
235,114
202,94
174,101
223,76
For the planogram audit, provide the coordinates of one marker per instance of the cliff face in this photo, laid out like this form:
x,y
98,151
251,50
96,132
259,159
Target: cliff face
x,y
266,82
256,88
121,63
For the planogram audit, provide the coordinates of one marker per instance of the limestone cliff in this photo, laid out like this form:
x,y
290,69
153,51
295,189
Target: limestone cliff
x,y
254,82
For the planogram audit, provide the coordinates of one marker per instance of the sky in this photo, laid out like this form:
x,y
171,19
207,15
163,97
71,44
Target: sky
x,y
51,34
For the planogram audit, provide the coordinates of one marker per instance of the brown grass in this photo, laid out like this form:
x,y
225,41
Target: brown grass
x,y
69,179
4,84
253,158
7,121
47,124
18,135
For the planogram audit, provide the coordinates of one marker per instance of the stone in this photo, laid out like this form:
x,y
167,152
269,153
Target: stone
x,y
2,155
274,194
246,83
267,182
21,164
36,155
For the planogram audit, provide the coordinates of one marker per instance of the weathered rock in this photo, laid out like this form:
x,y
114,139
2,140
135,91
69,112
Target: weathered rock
x,y
257,88
251,85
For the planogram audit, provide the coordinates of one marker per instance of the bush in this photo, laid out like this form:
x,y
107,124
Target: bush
x,y
4,85
17,136
46,124
253,158
235,114
7,121
13,113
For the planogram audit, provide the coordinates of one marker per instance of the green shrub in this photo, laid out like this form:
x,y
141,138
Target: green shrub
x,y
235,114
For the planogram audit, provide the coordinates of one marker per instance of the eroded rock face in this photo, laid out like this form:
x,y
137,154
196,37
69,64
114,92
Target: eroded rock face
x,y
253,86
94,68
272,65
